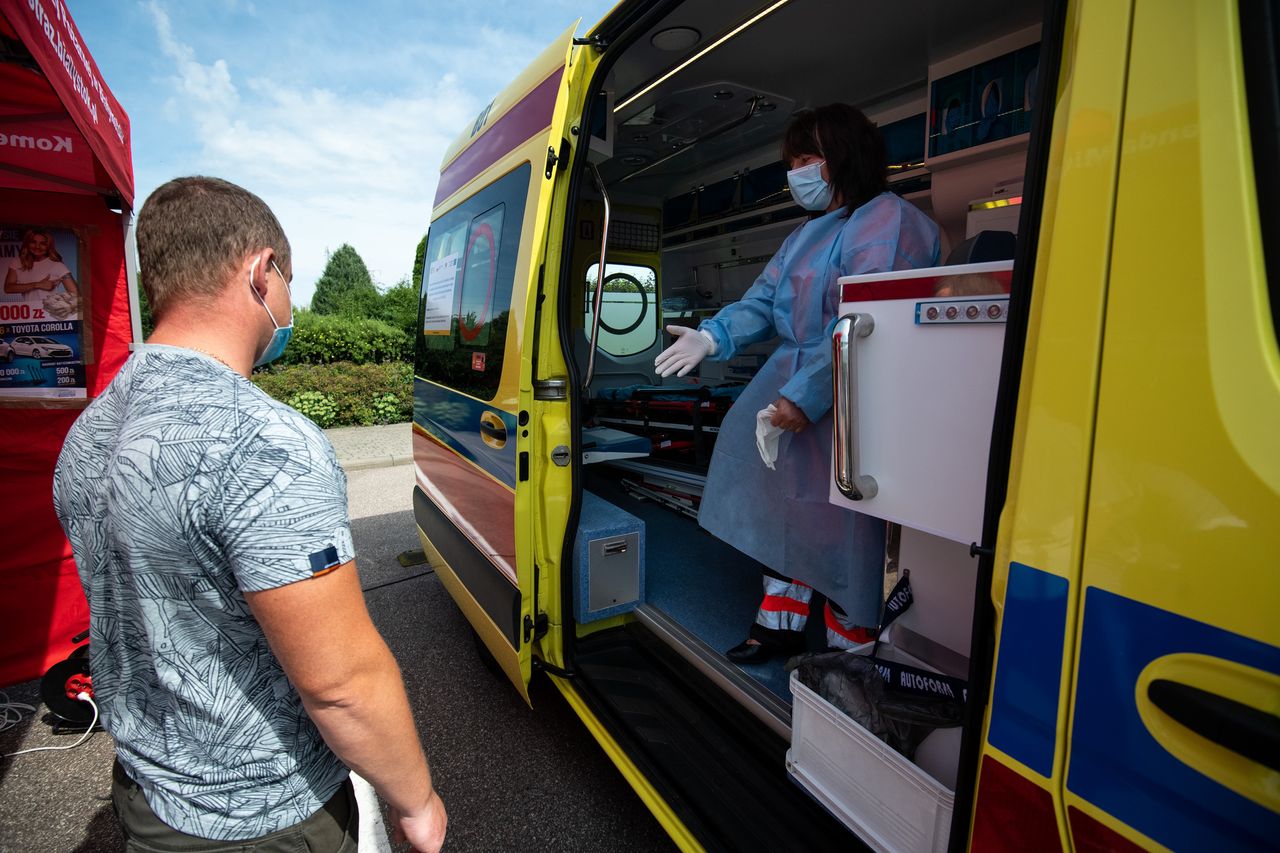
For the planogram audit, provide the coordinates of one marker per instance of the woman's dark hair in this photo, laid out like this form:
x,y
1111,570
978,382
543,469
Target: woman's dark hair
x,y
851,145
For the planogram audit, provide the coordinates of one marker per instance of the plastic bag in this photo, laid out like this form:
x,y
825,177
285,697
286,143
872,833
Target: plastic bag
x,y
856,684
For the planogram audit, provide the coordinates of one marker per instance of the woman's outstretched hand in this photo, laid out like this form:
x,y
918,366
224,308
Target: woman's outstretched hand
x,y
688,351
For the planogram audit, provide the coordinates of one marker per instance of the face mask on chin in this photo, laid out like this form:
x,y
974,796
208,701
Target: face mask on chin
x,y
808,188
280,337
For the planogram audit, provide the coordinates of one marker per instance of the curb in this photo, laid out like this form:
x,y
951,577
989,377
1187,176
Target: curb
x,y
373,829
375,462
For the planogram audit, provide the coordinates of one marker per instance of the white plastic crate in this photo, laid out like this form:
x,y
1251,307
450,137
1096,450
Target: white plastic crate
x,y
889,802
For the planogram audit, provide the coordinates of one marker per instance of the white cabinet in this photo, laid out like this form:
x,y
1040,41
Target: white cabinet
x,y
916,394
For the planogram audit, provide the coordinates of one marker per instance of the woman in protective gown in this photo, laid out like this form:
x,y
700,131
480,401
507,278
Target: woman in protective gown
x,y
782,517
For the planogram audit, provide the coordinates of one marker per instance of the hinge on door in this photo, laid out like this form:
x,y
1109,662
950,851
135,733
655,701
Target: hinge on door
x,y
535,628
555,158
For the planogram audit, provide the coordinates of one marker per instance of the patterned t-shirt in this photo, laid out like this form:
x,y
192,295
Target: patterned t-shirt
x,y
182,487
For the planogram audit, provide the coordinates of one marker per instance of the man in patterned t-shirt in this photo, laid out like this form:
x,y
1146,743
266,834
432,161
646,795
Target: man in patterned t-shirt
x,y
233,658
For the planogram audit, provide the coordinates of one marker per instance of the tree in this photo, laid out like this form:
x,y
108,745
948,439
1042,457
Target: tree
x,y
419,262
144,311
345,287
399,307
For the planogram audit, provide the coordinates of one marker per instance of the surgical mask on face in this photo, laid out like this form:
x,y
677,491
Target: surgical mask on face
x,y
280,337
808,188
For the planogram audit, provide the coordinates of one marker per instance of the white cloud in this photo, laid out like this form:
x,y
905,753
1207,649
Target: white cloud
x,y
336,167
207,85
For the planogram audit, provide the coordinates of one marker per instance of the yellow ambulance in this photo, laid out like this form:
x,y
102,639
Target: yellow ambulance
x,y
1079,468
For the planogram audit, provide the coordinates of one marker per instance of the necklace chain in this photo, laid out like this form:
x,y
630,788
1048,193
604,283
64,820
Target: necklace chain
x,y
216,358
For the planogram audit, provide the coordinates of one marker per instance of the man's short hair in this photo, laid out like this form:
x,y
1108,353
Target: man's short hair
x,y
192,234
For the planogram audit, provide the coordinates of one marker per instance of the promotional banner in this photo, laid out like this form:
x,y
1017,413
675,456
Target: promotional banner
x,y
62,127
42,353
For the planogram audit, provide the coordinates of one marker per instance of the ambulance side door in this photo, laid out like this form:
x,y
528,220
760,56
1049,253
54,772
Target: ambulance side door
x,y
473,383
1173,727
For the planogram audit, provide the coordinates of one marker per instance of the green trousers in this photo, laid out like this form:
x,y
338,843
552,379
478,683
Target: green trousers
x,y
335,828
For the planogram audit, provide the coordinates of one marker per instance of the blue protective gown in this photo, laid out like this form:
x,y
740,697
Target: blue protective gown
x,y
783,518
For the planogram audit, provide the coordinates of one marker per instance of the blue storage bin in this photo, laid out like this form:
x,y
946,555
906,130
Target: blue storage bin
x,y
608,558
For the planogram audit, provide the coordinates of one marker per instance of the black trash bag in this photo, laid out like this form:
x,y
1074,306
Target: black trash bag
x,y
856,685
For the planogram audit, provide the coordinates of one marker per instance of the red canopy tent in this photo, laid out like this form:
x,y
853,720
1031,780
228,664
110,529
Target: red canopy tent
x,y
65,170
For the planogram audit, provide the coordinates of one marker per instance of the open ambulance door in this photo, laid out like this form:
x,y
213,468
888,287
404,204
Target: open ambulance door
x,y
474,384
1141,516
1173,715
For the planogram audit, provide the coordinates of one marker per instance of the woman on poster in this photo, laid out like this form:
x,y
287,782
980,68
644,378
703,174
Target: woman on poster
x,y
38,267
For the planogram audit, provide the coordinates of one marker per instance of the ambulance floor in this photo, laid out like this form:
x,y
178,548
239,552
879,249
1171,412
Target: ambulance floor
x,y
707,586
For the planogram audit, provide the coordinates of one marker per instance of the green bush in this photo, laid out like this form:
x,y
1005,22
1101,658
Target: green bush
x,y
399,309
318,406
360,394
327,339
386,409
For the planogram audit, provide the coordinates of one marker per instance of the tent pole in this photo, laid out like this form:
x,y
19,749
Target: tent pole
x,y
131,276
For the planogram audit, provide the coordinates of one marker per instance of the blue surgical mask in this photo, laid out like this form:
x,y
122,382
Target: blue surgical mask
x,y
280,337
808,188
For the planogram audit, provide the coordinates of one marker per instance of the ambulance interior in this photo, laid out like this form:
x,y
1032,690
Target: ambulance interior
x,y
685,138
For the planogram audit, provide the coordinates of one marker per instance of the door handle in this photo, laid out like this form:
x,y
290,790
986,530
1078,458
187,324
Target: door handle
x,y
844,434
600,277
1233,725
493,431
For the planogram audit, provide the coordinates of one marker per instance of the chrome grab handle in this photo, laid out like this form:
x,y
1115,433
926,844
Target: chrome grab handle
x,y
844,434
600,277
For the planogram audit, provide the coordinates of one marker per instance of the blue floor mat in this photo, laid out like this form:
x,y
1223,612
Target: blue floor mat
x,y
709,587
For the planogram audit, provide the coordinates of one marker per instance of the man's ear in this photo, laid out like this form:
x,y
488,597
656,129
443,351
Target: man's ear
x,y
259,265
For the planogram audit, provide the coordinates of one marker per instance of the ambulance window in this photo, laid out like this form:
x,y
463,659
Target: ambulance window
x,y
480,267
466,287
1260,43
628,313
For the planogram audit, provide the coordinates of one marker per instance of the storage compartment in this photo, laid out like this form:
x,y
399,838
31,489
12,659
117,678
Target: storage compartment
x,y
608,560
891,803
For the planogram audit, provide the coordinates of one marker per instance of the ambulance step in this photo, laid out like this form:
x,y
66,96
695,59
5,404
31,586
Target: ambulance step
x,y
716,765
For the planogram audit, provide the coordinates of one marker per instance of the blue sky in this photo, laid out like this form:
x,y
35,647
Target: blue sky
x,y
336,113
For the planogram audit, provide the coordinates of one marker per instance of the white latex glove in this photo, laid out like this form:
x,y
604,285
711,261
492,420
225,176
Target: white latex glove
x,y
767,435
688,351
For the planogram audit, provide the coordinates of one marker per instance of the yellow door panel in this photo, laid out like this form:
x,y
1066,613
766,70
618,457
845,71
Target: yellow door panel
x,y
1038,552
1175,686
473,394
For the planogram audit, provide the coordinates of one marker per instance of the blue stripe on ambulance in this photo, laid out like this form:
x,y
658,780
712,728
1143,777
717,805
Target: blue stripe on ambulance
x,y
1024,708
454,419
1115,762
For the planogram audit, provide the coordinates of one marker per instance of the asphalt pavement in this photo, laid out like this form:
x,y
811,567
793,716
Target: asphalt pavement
x,y
512,777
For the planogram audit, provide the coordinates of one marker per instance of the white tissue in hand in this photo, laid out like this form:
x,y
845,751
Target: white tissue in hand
x,y
768,435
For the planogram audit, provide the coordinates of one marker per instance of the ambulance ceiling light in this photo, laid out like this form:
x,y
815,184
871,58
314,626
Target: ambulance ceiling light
x,y
759,16
676,38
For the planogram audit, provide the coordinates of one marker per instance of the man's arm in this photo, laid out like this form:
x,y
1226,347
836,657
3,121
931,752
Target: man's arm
x,y
320,631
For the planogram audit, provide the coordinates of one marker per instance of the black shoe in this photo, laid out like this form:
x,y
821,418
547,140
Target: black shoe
x,y
749,653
